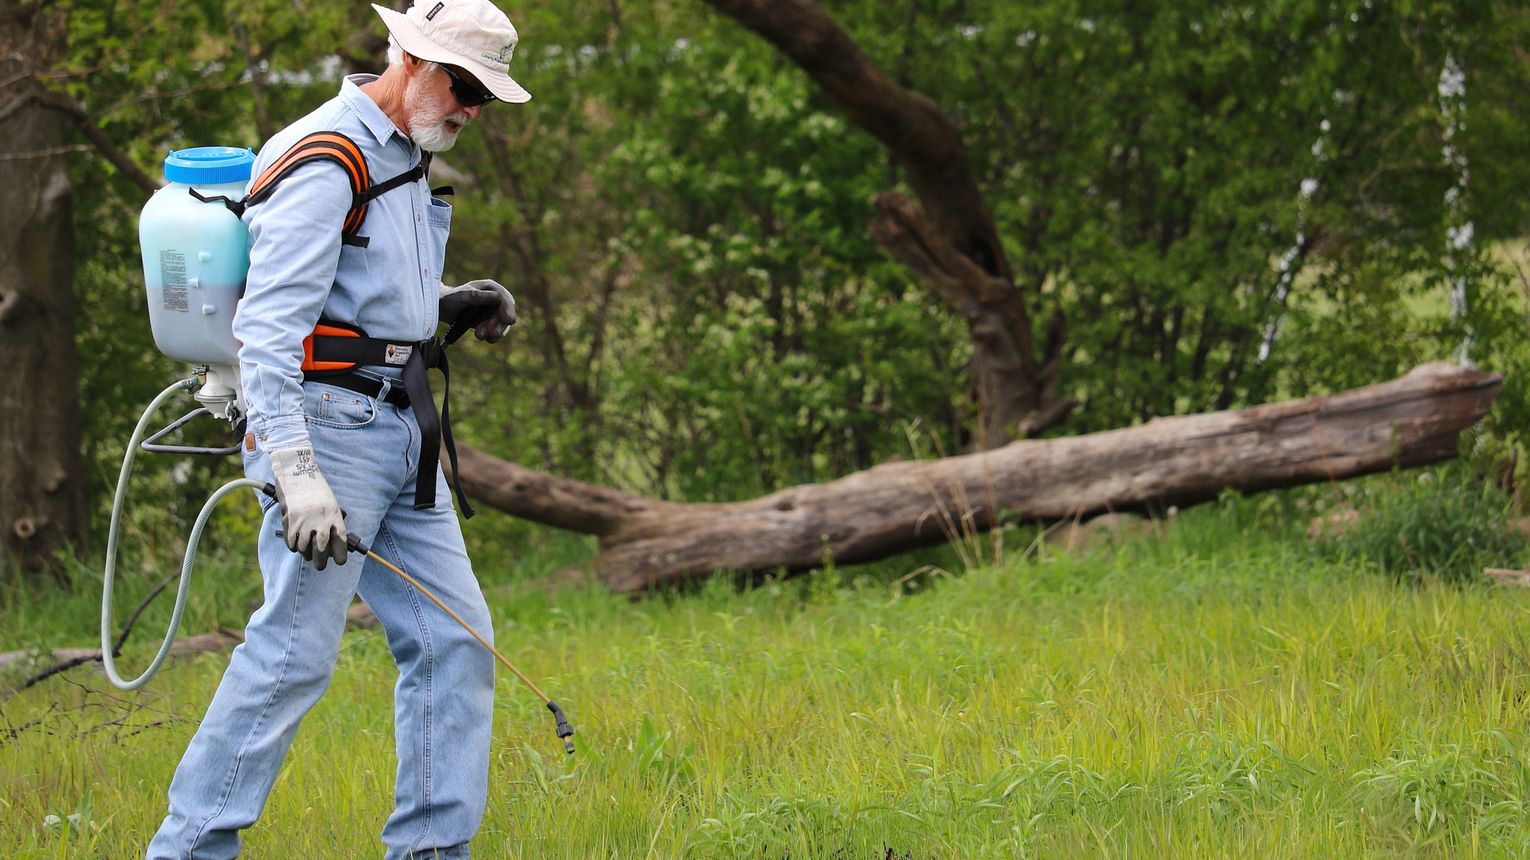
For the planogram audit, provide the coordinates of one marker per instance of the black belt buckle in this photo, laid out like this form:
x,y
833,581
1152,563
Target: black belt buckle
x,y
430,351
397,396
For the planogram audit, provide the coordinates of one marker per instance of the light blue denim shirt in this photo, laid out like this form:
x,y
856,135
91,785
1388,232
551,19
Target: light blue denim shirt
x,y
299,270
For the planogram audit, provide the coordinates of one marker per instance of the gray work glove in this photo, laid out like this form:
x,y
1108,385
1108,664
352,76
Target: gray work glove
x,y
481,294
311,518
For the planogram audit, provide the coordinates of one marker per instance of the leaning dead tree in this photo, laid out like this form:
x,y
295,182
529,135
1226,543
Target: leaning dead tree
x,y
952,246
644,542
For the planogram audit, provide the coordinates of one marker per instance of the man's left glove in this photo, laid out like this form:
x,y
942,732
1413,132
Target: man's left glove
x,y
482,296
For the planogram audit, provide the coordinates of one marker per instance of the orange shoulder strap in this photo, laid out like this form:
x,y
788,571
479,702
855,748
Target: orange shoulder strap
x,y
321,145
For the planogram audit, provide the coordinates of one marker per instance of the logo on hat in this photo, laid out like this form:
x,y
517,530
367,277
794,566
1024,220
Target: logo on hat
x,y
504,55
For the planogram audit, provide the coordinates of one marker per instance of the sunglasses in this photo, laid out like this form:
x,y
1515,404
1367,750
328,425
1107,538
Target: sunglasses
x,y
467,91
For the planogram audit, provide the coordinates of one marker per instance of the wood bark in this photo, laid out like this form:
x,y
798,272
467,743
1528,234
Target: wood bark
x,y
1180,460
953,247
201,643
59,660
42,503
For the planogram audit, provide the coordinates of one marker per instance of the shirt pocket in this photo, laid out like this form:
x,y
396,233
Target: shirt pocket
x,y
353,262
440,213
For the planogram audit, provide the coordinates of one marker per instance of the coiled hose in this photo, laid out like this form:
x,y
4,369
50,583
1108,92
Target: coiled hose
x,y
565,731
107,660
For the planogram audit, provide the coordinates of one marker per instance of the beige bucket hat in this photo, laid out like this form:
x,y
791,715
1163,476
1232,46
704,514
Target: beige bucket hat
x,y
470,34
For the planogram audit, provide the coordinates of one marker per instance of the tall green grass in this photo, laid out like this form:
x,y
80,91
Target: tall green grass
x,y
1221,689
1444,522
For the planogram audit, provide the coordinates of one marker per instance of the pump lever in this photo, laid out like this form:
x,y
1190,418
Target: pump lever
x,y
148,444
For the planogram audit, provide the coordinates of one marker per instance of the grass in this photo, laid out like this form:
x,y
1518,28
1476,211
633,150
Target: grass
x,y
1220,690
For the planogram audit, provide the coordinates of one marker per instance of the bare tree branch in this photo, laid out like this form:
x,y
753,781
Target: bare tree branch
x,y
908,123
257,84
549,499
50,152
72,109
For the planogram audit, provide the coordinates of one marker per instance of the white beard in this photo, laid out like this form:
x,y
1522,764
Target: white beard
x,y
435,138
427,122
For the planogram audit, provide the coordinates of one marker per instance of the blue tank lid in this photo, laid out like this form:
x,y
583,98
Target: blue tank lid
x,y
209,165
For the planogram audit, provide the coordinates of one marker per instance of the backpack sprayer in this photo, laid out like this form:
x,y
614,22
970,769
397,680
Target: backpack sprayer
x,y
195,258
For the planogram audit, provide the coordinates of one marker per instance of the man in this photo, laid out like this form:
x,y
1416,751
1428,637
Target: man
x,y
346,452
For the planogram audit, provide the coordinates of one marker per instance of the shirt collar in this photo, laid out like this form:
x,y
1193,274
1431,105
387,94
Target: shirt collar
x,y
371,115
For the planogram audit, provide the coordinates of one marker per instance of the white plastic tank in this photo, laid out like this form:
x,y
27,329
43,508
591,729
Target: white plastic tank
x,y
196,254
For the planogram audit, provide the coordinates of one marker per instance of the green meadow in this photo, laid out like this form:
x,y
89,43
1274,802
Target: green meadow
x,y
1218,686
764,245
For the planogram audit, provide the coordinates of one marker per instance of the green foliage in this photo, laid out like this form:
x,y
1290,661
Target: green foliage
x,y
1183,181
1423,796
723,323
1228,204
798,352
1445,522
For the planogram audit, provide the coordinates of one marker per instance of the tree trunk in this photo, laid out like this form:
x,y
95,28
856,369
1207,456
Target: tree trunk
x,y
953,247
898,506
42,505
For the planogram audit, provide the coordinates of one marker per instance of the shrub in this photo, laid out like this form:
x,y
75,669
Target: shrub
x,y
1447,522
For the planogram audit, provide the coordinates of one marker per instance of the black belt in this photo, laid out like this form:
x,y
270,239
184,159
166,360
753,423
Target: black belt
x,y
422,355
368,387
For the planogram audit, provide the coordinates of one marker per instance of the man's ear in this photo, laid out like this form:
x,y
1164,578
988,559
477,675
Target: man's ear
x,y
412,64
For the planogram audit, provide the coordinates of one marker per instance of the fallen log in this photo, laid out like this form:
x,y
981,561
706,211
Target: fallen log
x,y
68,658
1509,576
1181,460
59,660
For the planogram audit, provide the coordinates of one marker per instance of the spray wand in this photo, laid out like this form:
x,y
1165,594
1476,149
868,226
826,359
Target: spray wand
x,y
565,731
354,543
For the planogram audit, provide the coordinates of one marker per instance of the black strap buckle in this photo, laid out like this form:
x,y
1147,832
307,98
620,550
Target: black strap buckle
x,y
432,351
435,427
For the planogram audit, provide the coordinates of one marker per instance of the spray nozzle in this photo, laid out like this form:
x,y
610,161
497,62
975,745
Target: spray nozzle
x,y
565,731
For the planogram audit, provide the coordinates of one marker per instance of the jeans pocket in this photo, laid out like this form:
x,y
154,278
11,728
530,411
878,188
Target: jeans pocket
x,y
336,407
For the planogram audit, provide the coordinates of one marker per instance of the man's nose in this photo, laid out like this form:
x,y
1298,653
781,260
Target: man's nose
x,y
473,111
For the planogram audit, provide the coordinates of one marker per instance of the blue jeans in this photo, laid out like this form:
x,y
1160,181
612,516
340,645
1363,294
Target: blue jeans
x,y
368,450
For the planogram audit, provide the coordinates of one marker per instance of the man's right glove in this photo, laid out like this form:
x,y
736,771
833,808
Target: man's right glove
x,y
311,518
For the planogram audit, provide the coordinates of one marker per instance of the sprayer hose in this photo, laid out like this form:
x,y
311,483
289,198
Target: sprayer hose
x,y
184,589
